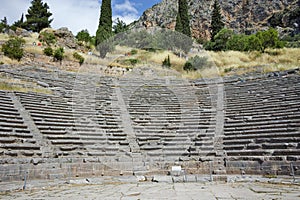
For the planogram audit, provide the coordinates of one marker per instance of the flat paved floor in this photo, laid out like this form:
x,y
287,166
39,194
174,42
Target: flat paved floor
x,y
151,190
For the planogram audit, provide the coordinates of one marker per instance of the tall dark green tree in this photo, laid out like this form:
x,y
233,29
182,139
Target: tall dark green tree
x,y
105,27
216,20
183,17
38,16
178,26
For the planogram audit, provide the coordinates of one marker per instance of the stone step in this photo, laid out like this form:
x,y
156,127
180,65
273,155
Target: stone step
x,y
259,123
260,131
70,141
20,146
249,152
242,135
19,125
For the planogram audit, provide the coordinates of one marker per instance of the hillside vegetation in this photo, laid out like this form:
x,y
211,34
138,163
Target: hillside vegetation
x,y
229,52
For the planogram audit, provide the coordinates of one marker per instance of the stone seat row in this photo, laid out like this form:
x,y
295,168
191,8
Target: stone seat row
x,y
261,99
243,120
262,125
264,152
276,111
262,104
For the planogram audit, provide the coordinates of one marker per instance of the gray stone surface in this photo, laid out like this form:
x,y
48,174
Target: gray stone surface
x,y
107,188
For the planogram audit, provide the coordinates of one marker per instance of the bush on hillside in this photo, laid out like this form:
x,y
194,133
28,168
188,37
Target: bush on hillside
x,y
83,36
59,54
133,52
48,38
196,63
228,40
13,48
78,57
269,39
220,40
237,43
48,51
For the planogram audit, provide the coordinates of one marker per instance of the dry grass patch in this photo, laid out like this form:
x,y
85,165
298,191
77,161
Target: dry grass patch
x,y
159,56
34,49
19,88
191,75
271,60
4,37
7,60
34,37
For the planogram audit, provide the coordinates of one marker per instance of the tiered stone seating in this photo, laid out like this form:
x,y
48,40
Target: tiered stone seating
x,y
263,119
166,119
75,130
107,123
16,140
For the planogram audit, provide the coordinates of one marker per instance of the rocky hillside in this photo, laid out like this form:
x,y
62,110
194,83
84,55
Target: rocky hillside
x,y
240,15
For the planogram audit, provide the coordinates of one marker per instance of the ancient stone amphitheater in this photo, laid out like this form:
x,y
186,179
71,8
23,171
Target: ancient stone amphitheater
x,y
92,125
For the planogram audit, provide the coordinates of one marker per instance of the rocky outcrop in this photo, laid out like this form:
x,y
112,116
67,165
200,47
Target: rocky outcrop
x,y
244,16
287,20
22,32
64,37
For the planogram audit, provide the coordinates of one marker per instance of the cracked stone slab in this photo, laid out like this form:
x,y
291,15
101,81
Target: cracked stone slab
x,y
112,189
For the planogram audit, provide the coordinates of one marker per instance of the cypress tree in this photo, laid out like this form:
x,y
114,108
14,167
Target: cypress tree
x,y
178,26
183,17
105,26
216,20
38,16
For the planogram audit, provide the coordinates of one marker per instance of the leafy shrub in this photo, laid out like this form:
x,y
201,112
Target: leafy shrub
x,y
13,48
237,43
188,67
253,44
228,40
269,39
220,40
48,51
227,70
48,38
133,52
83,36
167,62
165,39
196,63
59,54
131,61
78,57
